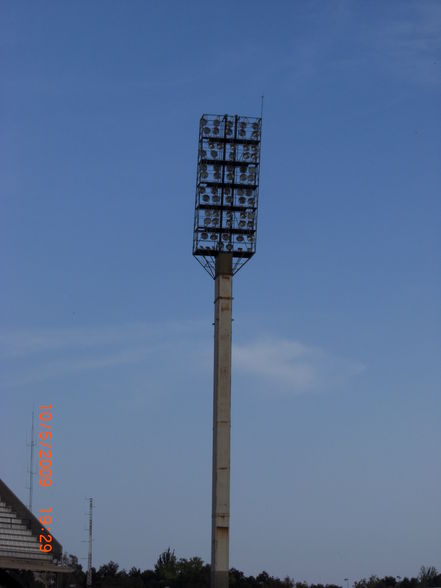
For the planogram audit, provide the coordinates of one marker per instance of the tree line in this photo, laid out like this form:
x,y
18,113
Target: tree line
x,y
171,572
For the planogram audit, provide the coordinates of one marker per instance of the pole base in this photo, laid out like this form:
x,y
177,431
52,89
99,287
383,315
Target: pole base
x,y
219,580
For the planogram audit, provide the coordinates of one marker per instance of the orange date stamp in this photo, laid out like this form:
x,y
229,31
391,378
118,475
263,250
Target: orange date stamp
x,y
46,474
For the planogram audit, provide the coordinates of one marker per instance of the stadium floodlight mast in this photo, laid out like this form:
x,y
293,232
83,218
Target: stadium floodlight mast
x,y
224,239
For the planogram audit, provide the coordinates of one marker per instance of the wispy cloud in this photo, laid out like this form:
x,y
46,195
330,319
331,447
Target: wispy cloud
x,y
405,42
49,369
38,355
292,366
25,342
410,45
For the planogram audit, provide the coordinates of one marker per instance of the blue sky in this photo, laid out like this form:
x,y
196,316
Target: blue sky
x,y
106,315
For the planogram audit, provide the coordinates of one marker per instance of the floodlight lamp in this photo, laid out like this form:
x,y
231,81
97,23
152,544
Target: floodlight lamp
x,y
224,171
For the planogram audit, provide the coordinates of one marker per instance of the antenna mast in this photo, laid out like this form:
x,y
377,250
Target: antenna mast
x,y
89,555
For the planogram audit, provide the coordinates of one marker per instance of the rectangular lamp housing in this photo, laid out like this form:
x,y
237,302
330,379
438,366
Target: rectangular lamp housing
x,y
227,189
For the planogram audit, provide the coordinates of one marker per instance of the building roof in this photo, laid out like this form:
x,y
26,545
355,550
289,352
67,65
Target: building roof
x,y
20,537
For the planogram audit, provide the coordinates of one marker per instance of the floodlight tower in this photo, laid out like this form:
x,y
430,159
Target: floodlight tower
x,y
224,239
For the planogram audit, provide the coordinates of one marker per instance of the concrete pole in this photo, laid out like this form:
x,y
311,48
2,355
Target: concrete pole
x,y
220,522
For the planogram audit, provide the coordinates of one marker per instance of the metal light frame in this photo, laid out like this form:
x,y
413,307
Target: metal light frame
x,y
227,189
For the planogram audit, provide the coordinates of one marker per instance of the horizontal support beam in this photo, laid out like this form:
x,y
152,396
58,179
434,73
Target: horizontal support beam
x,y
227,162
16,563
213,252
219,184
226,231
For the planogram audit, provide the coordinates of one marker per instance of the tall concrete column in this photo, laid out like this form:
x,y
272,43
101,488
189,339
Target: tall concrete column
x,y
221,421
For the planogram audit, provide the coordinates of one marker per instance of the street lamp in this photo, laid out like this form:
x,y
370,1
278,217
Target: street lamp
x,y
224,239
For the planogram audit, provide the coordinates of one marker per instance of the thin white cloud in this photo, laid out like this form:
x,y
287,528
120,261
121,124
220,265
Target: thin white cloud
x,y
25,342
410,46
292,366
49,369
40,354
406,44
37,355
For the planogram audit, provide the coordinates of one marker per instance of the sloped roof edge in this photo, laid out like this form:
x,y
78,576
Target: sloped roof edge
x,y
28,518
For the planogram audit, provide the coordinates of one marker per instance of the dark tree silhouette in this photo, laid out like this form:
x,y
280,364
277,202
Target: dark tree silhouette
x,y
169,572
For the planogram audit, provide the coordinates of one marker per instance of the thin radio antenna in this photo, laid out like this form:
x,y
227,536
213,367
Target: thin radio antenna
x,y
261,106
89,555
31,466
